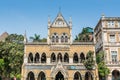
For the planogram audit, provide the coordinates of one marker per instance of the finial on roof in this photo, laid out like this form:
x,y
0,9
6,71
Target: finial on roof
x,y
59,9
70,21
25,37
49,22
103,16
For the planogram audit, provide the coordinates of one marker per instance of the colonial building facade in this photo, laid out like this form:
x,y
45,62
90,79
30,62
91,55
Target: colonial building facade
x,y
59,58
107,37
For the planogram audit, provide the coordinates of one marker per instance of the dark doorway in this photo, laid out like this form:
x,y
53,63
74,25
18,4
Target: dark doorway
x,y
59,57
30,76
82,57
77,76
88,76
115,75
59,76
41,76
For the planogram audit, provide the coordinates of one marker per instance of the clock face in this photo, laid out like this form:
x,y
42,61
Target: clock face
x,y
59,22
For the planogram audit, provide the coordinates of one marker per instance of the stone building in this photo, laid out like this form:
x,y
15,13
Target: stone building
x,y
107,37
59,58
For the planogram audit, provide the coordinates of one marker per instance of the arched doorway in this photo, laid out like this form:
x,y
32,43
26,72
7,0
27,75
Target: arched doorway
x,y
88,76
41,76
59,76
75,58
37,57
115,75
30,58
30,76
77,76
66,57
82,57
59,57
43,58
53,57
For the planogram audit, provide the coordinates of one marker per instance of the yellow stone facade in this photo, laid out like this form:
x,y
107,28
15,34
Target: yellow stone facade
x,y
59,58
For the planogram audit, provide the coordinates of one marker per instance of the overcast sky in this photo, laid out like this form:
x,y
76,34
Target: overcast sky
x,y
16,16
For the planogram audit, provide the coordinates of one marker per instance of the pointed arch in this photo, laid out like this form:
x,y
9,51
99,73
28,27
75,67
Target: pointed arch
x,y
77,76
66,57
59,57
59,76
53,57
115,75
41,76
55,38
75,58
82,57
88,76
64,38
43,58
30,76
37,57
30,58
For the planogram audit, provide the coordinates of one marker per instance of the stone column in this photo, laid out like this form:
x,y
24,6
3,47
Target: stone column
x,y
71,60
48,60
83,77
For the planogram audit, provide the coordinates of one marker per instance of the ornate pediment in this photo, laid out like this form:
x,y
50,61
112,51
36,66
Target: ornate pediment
x,y
59,21
59,68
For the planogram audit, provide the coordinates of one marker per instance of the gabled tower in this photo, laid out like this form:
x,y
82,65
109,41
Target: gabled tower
x,y
59,31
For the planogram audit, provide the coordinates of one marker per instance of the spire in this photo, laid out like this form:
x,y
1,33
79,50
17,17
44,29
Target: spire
x,y
59,9
25,38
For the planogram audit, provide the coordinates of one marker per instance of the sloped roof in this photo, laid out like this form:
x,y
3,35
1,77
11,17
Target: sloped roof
x,y
59,21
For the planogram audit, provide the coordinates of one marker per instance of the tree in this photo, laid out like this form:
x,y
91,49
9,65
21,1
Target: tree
x,y
1,65
103,70
89,63
36,38
85,35
11,51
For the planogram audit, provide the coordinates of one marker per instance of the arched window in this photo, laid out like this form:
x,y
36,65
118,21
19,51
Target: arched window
x,y
59,57
66,58
82,57
77,76
115,75
55,38
30,76
37,57
88,76
41,76
53,57
75,58
64,38
30,58
43,58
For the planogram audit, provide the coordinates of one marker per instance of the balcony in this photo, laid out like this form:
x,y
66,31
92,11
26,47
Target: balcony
x,y
111,63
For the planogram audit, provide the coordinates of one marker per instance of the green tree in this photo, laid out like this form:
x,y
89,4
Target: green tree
x,y
84,36
89,63
36,38
11,51
1,65
103,70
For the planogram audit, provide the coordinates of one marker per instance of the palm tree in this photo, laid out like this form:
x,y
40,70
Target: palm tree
x,y
36,38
